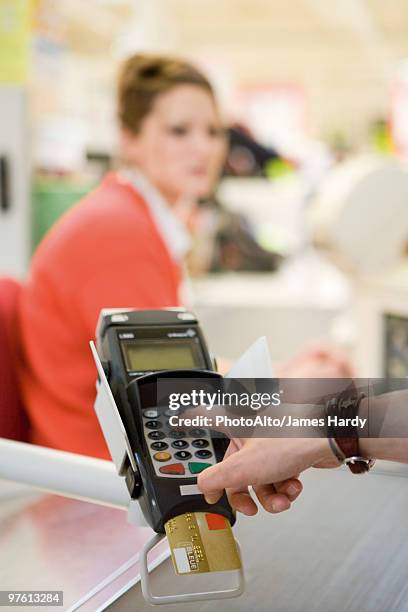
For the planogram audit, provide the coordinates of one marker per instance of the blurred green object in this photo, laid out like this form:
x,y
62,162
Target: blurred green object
x,y
51,198
277,168
381,137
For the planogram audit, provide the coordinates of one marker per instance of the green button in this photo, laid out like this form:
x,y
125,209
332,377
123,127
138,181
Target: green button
x,y
196,468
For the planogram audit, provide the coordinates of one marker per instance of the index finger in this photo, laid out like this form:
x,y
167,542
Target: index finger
x,y
232,473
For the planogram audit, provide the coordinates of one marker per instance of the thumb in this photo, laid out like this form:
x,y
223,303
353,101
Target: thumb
x,y
232,472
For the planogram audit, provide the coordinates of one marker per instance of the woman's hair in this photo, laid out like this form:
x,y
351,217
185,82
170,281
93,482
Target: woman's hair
x,y
144,77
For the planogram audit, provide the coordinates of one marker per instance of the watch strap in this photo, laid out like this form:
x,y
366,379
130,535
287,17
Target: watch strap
x,y
344,440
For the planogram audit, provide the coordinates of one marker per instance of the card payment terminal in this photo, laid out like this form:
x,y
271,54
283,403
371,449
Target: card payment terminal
x,y
136,349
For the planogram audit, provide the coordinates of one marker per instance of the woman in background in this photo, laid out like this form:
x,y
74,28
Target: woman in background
x,y
121,246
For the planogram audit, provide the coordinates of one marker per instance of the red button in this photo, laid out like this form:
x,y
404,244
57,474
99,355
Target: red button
x,y
173,468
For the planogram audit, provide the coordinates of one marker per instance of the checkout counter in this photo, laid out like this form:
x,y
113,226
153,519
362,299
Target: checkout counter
x,y
341,548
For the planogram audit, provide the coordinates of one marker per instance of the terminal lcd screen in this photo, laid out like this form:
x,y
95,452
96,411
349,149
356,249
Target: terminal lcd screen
x,y
156,355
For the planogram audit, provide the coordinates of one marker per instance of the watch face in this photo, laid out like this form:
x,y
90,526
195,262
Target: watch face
x,y
359,465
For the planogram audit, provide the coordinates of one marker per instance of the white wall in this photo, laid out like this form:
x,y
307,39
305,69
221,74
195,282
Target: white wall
x,y
15,222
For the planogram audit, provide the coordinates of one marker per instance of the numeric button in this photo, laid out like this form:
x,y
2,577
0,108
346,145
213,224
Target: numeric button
x,y
197,433
179,444
169,412
200,443
156,435
151,413
153,425
160,446
176,433
183,455
203,454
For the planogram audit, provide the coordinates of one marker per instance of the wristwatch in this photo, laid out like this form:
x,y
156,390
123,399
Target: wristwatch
x,y
343,439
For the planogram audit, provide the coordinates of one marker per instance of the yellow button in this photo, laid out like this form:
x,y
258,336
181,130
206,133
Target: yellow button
x,y
162,456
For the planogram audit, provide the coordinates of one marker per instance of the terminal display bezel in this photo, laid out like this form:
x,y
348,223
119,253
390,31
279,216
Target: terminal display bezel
x,y
164,338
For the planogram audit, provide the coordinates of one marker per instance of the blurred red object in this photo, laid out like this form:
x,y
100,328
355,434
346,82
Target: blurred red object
x,y
13,419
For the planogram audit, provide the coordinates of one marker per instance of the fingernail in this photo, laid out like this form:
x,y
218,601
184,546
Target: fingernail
x,y
211,499
292,490
275,507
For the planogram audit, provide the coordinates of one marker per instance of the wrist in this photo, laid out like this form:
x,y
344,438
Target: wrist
x,y
376,448
386,449
322,452
343,432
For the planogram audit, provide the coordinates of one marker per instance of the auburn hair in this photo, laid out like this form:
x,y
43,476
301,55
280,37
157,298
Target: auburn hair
x,y
144,77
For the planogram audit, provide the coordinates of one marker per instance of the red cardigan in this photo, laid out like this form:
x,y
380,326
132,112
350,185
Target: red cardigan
x,y
106,252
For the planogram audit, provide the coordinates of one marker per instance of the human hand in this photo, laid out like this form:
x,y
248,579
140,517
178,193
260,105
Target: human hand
x,y
319,361
270,465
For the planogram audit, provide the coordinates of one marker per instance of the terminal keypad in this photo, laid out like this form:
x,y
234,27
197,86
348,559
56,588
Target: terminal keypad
x,y
175,452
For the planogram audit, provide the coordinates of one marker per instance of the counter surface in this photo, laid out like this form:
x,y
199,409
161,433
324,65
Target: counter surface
x,y
342,548
55,543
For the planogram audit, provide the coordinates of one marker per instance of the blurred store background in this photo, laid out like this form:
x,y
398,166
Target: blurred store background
x,y
306,237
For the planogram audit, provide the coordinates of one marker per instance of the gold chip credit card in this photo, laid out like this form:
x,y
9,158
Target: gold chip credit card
x,y
202,542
